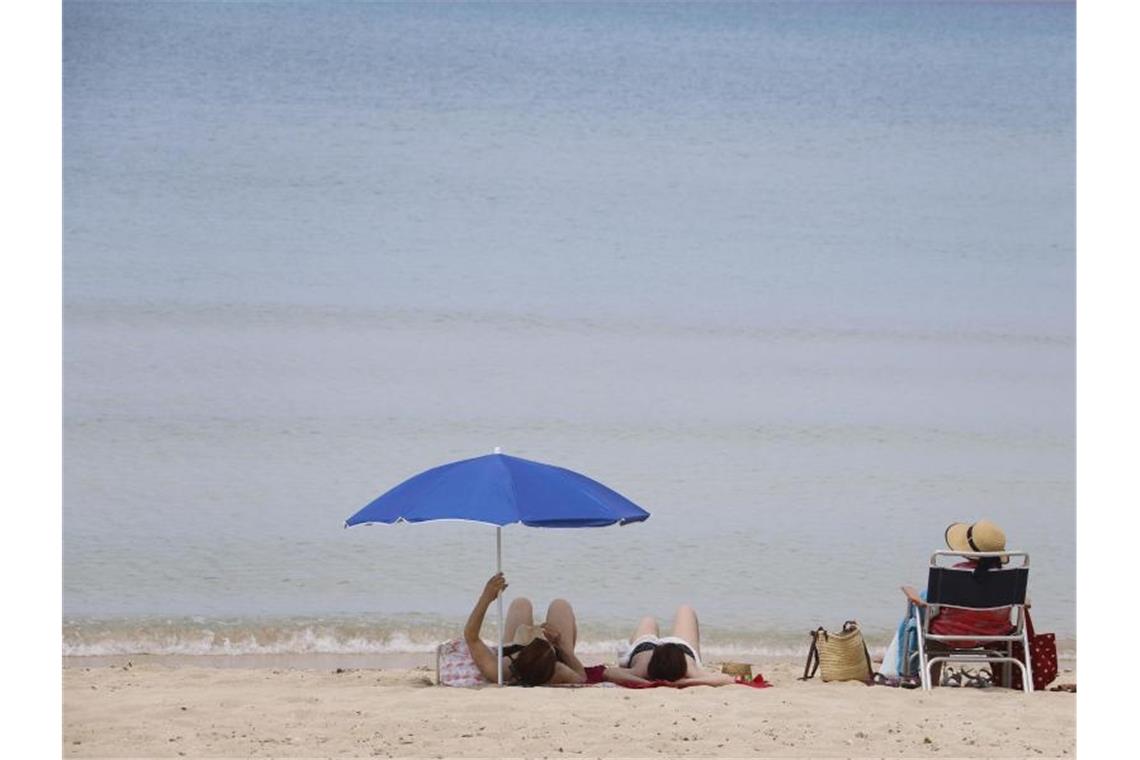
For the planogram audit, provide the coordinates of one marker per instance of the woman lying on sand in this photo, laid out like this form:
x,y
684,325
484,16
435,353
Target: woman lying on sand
x,y
538,655
675,658
543,655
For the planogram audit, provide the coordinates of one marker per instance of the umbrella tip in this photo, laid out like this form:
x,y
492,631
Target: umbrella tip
x,y
498,450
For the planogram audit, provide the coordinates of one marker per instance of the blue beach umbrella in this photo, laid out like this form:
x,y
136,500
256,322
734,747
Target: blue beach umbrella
x,y
498,490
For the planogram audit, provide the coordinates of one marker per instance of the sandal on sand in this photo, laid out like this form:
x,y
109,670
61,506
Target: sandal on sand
x,y
980,679
1069,687
905,682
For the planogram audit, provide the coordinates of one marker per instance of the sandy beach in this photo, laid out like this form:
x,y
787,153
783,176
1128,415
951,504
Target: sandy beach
x,y
753,300
159,709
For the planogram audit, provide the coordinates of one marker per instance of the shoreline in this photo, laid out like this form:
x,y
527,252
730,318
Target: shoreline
x,y
330,661
387,660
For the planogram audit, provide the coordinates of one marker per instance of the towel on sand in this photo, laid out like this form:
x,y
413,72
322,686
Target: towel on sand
x,y
756,683
455,667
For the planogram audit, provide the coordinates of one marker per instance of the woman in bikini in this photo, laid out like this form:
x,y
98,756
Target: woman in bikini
x,y
675,658
540,655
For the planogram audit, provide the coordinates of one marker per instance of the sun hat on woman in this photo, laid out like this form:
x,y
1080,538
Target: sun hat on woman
x,y
525,634
982,536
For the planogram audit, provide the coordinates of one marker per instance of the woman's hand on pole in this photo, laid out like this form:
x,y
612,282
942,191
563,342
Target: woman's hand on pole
x,y
486,659
495,586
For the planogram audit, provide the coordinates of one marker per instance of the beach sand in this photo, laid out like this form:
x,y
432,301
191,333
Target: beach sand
x,y
155,707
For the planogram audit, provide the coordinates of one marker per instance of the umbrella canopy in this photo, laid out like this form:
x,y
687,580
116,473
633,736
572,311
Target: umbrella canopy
x,y
499,490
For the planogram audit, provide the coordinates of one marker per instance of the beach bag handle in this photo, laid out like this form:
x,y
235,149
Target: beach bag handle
x,y
812,664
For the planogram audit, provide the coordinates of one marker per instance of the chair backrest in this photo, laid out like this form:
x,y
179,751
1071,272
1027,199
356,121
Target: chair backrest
x,y
960,587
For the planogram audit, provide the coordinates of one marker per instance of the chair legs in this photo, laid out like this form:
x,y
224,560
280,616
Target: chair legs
x,y
1027,669
980,659
923,665
928,671
926,663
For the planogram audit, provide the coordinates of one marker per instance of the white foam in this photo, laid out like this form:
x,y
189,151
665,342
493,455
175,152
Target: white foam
x,y
305,640
201,637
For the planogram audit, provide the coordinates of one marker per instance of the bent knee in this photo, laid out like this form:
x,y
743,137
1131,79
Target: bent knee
x,y
561,604
522,604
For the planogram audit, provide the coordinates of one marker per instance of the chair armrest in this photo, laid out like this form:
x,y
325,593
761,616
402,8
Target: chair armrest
x,y
913,597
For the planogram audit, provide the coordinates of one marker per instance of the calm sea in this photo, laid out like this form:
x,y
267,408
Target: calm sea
x,y
796,277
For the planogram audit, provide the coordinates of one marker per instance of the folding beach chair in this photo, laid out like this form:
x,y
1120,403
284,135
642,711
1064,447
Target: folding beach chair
x,y
959,588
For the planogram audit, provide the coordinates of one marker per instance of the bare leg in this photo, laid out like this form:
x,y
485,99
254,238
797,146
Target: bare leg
x,y
519,613
647,627
686,627
560,615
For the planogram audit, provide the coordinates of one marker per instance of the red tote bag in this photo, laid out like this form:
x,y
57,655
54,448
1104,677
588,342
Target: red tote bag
x,y
1043,651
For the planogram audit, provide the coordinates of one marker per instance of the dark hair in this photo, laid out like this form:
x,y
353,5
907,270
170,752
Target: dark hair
x,y
534,663
668,663
984,565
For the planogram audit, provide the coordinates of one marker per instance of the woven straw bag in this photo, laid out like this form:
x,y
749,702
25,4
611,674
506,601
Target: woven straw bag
x,y
838,656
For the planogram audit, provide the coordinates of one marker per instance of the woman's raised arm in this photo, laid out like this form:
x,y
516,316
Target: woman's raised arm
x,y
484,657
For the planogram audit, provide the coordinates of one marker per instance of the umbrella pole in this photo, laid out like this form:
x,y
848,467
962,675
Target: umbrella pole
x,y
499,568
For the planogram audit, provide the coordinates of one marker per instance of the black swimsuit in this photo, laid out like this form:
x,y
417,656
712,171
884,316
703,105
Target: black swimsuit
x,y
649,646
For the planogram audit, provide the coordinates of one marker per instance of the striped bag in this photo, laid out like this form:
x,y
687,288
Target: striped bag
x,y
454,665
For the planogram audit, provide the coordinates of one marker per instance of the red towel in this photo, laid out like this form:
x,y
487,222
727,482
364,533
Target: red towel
x,y
596,674
955,622
756,683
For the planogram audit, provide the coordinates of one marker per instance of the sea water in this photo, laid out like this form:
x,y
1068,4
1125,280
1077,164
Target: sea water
x,y
796,277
